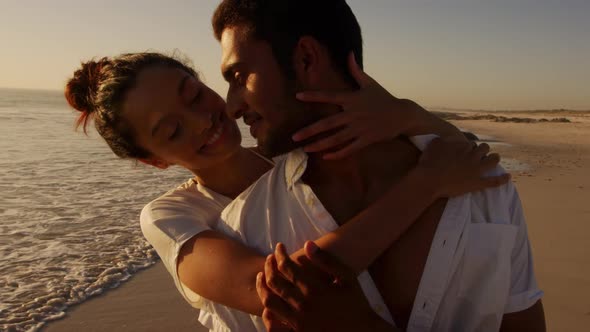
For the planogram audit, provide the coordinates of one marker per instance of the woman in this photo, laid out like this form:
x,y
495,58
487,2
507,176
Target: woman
x,y
152,108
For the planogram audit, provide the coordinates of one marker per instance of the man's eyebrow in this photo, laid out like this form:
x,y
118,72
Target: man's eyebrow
x,y
228,70
182,84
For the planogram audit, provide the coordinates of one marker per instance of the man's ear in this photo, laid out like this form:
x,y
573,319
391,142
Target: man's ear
x,y
310,61
159,163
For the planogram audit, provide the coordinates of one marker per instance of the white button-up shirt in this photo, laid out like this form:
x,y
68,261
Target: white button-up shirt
x,y
479,266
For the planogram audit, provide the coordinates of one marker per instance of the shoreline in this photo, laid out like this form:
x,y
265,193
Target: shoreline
x,y
148,301
555,192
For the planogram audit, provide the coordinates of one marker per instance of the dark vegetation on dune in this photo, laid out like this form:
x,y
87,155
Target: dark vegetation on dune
x,y
496,118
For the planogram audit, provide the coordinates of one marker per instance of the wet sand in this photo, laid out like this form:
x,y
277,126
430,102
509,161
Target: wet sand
x,y
556,197
149,301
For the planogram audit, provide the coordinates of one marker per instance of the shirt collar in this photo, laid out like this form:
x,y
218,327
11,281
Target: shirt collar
x,y
296,160
295,166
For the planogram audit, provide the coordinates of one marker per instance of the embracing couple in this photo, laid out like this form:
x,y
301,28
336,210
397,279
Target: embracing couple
x,y
410,232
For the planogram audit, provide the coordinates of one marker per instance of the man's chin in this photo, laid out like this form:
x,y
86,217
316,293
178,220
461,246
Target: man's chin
x,y
277,144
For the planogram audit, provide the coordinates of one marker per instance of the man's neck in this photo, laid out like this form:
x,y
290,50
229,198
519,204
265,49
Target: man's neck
x,y
369,165
347,186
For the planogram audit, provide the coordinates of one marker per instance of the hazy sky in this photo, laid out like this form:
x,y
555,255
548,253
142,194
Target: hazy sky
x,y
488,54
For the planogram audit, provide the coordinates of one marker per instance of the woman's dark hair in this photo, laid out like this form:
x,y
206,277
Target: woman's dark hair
x,y
282,23
98,90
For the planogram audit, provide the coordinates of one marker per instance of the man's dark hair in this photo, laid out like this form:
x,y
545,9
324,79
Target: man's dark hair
x,y
282,23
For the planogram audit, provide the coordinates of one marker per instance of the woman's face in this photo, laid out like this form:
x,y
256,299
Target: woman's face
x,y
179,120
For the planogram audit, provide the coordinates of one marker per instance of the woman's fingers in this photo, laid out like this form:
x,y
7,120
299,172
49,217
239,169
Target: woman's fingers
x,y
279,283
325,97
495,181
480,151
346,151
273,324
305,280
490,162
338,139
271,301
323,125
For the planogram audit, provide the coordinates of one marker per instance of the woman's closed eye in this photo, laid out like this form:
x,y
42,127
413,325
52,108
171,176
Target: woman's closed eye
x,y
197,97
175,132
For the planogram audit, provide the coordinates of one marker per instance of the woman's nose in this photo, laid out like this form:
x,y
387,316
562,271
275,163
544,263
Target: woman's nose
x,y
201,122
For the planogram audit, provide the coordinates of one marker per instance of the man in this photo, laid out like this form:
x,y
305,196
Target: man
x,y
466,263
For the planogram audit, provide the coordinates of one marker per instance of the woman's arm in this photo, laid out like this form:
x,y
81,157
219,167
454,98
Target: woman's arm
x,y
424,122
442,171
223,270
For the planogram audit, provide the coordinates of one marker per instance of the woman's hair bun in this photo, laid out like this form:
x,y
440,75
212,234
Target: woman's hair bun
x,y
81,89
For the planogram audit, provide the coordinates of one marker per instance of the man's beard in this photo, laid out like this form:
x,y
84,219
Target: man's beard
x,y
279,138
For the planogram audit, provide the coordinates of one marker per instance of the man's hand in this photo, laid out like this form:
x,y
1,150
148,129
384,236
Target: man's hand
x,y
317,294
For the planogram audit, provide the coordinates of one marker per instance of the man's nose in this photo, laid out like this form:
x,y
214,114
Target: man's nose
x,y
236,106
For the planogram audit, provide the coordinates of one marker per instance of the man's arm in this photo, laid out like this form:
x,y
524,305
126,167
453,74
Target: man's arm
x,y
524,310
531,319
324,295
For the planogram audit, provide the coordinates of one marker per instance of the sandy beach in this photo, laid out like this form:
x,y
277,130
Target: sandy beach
x,y
556,199
555,191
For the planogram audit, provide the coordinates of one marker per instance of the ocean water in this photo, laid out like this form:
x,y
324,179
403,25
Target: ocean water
x,y
69,211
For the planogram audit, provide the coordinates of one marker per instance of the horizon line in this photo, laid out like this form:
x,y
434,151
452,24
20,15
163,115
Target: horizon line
x,y
448,108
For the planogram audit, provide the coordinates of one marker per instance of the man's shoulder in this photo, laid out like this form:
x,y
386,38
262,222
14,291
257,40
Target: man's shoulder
x,y
266,191
495,205
273,180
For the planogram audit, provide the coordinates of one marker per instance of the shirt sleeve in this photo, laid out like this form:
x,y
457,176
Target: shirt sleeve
x,y
524,291
168,223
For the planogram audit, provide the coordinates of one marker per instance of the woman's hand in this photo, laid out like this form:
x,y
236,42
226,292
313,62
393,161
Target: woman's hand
x,y
370,115
456,167
320,295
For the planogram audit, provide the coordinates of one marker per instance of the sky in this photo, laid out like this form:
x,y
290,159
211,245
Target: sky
x,y
476,54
